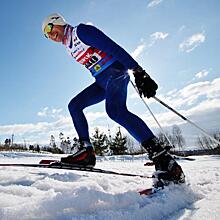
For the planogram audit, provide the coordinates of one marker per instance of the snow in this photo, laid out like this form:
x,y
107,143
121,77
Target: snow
x,y
52,194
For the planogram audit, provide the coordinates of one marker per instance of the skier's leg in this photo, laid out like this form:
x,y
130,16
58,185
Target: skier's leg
x,y
89,96
116,95
171,170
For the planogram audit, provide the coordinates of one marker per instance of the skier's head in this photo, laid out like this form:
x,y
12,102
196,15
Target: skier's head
x,y
53,27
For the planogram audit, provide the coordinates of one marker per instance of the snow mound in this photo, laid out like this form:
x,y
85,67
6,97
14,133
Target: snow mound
x,y
53,194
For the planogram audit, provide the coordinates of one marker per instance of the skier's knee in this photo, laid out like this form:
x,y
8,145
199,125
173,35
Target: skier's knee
x,y
113,113
73,106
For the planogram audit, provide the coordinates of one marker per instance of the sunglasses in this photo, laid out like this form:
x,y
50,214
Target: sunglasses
x,y
48,29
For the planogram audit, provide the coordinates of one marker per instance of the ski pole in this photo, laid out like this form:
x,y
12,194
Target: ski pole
x,y
164,133
185,119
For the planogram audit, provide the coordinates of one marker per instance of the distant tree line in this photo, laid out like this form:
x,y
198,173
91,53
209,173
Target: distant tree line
x,y
119,144
206,145
103,144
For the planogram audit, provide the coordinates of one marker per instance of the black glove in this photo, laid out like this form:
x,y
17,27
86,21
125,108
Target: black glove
x,y
144,83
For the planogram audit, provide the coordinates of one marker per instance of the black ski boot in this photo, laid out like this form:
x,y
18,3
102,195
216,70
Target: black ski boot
x,y
167,169
84,157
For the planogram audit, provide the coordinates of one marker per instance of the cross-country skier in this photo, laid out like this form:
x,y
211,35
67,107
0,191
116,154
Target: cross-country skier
x,y
108,64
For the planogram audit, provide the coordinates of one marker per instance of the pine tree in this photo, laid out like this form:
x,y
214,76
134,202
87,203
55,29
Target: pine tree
x,y
65,144
68,145
53,147
37,148
118,145
99,141
52,141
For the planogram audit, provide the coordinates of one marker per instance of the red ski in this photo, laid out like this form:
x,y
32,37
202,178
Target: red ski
x,y
149,191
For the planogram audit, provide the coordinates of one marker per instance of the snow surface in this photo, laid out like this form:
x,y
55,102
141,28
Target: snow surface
x,y
52,194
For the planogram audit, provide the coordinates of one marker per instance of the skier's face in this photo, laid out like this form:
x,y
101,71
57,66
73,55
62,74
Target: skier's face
x,y
56,33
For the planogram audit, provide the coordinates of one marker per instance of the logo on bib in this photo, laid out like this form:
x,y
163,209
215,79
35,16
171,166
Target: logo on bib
x,y
97,67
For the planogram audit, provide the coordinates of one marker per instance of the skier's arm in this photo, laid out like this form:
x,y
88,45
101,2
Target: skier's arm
x,y
92,36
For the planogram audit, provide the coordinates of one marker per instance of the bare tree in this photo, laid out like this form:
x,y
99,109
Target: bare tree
x,y
206,143
130,145
162,138
177,137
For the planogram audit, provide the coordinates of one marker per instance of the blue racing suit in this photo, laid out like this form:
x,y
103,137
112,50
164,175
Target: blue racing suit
x,y
108,63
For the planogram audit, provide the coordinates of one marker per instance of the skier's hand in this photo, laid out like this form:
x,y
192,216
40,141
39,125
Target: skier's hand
x,y
145,85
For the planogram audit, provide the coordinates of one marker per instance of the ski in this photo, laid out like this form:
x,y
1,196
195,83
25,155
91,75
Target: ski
x,y
153,190
52,164
150,163
150,191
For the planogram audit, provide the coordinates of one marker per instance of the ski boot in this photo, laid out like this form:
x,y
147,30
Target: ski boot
x,y
167,169
84,157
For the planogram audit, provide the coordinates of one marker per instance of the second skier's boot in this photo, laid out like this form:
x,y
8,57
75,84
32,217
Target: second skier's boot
x,y
84,157
167,169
